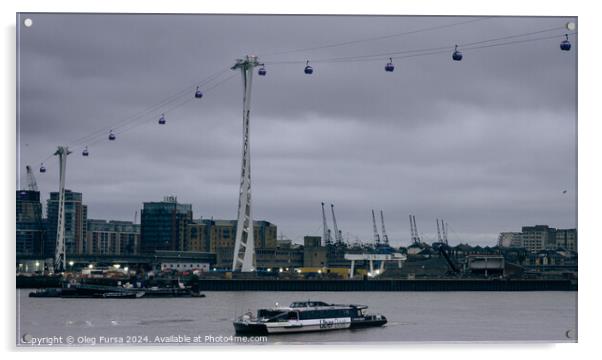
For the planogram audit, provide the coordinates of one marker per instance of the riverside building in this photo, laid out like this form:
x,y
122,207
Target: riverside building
x,y
163,225
112,238
30,228
76,214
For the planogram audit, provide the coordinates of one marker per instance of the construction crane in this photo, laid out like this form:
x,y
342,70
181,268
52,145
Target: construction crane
x,y
414,230
326,233
337,233
375,230
32,185
385,236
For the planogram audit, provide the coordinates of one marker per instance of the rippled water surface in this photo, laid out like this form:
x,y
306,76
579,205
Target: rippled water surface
x,y
413,317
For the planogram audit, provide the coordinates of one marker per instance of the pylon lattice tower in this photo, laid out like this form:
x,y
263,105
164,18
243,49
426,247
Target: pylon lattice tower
x,y
59,255
244,247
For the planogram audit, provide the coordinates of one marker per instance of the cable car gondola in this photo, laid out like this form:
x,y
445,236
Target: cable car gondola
x,y
565,45
262,71
457,55
198,94
112,136
390,67
308,69
42,168
162,119
85,152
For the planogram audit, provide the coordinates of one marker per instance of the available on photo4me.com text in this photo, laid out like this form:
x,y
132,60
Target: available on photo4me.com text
x,y
113,340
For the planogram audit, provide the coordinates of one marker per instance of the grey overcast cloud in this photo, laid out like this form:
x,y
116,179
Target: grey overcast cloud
x,y
487,143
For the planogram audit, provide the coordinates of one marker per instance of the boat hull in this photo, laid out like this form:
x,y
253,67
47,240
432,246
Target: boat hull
x,y
243,328
114,292
376,322
254,328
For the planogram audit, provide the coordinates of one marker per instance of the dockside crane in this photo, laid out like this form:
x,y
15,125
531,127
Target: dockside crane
x,y
414,230
418,240
444,225
326,230
375,230
337,233
442,231
438,232
385,236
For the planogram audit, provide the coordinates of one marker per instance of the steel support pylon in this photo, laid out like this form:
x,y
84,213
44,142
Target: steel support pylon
x,y
244,247
59,255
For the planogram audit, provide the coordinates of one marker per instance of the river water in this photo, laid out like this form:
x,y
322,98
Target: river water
x,y
413,317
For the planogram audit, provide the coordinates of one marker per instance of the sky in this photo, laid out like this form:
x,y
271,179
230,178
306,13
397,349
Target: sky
x,y
488,143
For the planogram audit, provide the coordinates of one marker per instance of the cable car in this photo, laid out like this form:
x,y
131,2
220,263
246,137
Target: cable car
x,y
565,45
390,67
457,55
262,71
198,94
42,168
162,119
308,69
85,152
111,135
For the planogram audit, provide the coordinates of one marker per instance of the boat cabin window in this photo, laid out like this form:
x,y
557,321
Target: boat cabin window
x,y
277,315
326,314
293,315
268,314
298,304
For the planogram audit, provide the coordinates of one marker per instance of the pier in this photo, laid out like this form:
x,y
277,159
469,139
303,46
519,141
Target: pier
x,y
388,285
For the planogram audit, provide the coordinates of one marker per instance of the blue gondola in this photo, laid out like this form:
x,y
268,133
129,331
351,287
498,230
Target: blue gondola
x,y
42,168
457,55
262,71
85,152
390,67
198,94
162,119
308,69
112,136
565,45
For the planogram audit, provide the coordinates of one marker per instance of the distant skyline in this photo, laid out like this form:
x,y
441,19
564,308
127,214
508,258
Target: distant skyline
x,y
488,143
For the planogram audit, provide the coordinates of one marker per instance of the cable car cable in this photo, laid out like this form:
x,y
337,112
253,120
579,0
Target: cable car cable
x,y
390,54
376,37
180,93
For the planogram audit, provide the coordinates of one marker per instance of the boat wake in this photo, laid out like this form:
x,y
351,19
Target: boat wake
x,y
163,321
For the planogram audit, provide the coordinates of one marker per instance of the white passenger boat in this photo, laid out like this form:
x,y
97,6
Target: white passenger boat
x,y
305,316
